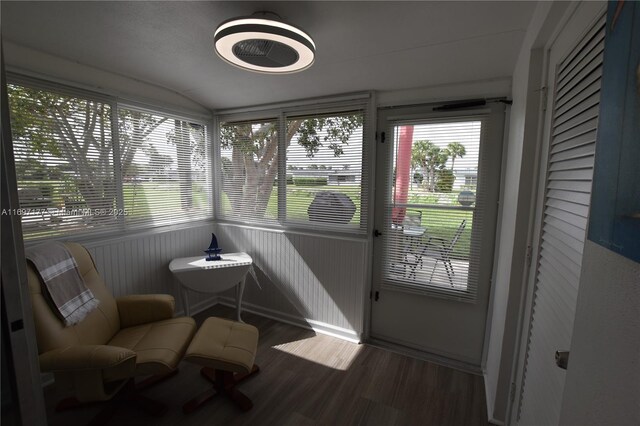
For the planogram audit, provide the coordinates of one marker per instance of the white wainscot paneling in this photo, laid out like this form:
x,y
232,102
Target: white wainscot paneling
x,y
139,264
313,281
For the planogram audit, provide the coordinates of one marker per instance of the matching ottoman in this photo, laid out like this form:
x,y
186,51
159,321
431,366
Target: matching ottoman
x,y
226,349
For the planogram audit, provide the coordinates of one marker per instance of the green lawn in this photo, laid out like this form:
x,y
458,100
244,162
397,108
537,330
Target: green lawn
x,y
441,223
299,198
141,198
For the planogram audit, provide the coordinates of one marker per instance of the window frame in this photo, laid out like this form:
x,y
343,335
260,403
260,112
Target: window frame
x,y
363,101
116,102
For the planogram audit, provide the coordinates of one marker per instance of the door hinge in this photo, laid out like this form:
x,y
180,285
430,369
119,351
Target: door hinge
x,y
512,392
377,296
562,359
529,255
544,92
383,137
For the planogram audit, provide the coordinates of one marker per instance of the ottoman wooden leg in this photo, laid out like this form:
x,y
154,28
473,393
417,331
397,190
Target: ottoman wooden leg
x,y
224,383
210,374
191,405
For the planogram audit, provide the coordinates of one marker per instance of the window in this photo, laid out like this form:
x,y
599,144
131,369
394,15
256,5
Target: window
x,y
69,181
63,150
434,221
164,166
324,170
249,168
320,183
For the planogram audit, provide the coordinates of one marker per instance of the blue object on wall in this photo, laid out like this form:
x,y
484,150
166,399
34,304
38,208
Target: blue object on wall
x,y
614,220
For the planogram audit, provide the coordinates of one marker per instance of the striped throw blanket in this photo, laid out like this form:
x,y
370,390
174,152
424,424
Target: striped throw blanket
x,y
59,272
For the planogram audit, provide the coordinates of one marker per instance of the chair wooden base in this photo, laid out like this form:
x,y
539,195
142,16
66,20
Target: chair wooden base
x,y
129,395
224,383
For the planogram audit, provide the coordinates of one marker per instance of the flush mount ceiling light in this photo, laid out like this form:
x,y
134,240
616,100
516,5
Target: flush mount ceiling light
x,y
263,43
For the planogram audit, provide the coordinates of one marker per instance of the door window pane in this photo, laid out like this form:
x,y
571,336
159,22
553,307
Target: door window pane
x,y
430,215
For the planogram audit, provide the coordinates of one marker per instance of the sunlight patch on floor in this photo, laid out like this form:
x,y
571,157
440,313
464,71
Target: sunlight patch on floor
x,y
339,355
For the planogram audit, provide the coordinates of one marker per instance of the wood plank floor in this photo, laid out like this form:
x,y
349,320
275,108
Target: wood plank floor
x,y
312,379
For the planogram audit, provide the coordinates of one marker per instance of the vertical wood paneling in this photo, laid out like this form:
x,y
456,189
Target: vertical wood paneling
x,y
303,276
140,265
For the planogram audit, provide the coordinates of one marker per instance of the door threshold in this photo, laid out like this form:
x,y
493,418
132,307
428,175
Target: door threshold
x,y
425,356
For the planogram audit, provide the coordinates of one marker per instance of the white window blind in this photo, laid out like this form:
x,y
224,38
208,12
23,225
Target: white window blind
x,y
249,171
68,179
164,166
434,215
324,173
322,181
63,150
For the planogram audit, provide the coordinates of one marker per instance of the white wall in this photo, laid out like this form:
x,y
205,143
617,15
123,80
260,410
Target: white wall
x,y
479,89
603,379
519,177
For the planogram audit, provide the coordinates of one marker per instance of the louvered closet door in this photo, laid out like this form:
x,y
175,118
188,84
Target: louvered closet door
x,y
570,155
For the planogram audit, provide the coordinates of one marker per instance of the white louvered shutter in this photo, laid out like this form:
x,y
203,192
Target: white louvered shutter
x,y
566,208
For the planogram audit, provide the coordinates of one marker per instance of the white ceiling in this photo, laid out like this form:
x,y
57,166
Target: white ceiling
x,y
360,45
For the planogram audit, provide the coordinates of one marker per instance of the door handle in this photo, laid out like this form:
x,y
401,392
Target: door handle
x,y
562,359
376,233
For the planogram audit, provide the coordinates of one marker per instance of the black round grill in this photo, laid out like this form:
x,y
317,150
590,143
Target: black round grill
x,y
265,53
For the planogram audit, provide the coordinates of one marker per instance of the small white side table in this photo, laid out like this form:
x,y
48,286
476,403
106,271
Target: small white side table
x,y
213,276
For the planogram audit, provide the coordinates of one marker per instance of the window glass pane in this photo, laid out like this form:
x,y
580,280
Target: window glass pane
x,y
433,205
68,181
64,162
324,170
249,168
164,168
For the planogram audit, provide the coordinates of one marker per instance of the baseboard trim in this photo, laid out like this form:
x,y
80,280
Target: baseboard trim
x,y
309,324
425,356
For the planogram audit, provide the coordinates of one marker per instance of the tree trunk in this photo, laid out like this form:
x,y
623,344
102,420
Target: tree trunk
x,y
250,185
432,179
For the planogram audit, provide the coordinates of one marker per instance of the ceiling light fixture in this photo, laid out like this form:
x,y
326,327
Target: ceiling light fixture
x,y
263,43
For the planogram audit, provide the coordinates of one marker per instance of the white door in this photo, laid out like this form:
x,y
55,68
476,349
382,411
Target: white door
x,y
437,185
575,65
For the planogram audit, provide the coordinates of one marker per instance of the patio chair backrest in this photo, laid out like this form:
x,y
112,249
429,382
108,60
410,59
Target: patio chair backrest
x,y
412,218
457,235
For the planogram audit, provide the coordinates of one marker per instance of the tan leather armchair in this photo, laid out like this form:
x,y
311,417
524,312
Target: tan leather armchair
x,y
123,338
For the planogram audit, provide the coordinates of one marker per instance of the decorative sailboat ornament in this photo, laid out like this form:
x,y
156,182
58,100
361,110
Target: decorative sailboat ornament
x,y
213,252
